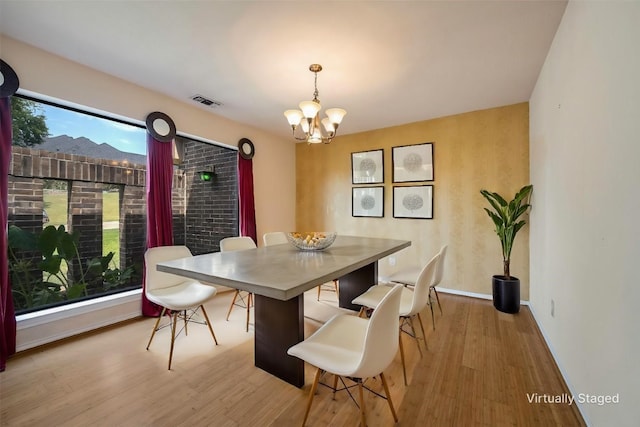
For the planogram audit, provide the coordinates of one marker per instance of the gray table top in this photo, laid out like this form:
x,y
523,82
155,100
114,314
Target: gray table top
x,y
282,271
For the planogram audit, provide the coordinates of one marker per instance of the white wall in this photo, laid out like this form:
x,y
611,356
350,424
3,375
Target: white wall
x,y
585,222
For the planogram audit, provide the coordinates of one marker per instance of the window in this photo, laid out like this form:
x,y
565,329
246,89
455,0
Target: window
x,y
77,203
74,175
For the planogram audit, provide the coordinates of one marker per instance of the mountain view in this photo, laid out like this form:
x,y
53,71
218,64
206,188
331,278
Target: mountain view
x,y
85,147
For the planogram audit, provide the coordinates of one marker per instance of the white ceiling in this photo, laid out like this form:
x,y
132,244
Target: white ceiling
x,y
386,62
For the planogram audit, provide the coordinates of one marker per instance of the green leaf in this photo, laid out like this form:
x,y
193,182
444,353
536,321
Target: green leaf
x,y
51,264
505,217
76,290
66,246
48,240
21,239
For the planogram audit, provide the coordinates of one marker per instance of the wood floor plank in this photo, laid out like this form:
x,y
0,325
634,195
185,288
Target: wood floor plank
x,y
478,370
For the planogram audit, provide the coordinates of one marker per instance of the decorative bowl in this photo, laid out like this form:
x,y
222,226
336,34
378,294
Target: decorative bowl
x,y
311,240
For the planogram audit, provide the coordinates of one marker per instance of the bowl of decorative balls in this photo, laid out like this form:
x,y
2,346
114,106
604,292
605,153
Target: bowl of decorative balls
x,y
312,240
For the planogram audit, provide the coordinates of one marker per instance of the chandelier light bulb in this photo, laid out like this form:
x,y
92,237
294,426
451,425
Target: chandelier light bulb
x,y
310,108
328,126
293,117
335,115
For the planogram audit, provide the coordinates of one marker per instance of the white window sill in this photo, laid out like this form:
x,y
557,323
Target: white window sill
x,y
45,326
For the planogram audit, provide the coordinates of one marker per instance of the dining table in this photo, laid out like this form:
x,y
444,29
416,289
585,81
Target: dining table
x,y
278,276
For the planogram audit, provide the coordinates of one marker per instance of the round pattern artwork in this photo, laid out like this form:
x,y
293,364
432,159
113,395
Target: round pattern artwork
x,y
367,202
412,202
412,162
367,167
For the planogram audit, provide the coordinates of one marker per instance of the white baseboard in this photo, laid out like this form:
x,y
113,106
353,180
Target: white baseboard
x,y
472,294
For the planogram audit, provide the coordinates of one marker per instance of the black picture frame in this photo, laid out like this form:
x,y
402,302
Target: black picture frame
x,y
367,202
412,163
413,201
367,167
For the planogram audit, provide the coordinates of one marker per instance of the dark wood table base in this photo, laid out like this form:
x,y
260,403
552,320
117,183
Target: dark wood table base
x,y
280,325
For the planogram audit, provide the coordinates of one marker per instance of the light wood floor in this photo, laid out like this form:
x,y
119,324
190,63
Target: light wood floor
x,y
479,368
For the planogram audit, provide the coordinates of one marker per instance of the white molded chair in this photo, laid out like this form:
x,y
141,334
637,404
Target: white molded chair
x,y
439,274
278,238
353,347
175,293
241,243
274,238
413,301
410,275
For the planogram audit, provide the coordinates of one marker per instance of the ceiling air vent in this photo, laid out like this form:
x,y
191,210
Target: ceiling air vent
x,y
206,101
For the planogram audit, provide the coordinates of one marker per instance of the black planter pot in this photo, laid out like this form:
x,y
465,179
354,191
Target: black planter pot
x,y
506,294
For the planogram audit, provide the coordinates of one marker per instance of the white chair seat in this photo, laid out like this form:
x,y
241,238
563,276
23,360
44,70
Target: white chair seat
x,y
182,295
174,293
338,348
406,276
373,296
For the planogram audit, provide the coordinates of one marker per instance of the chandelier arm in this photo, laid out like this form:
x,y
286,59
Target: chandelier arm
x,y
304,138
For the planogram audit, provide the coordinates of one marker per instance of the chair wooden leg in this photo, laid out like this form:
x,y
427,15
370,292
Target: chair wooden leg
x,y
204,312
362,311
415,335
423,334
155,327
319,288
186,332
335,385
404,368
173,336
433,319
438,299
386,391
337,286
235,295
316,378
249,300
363,416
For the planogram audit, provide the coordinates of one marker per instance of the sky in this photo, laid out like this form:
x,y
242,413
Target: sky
x,y
127,138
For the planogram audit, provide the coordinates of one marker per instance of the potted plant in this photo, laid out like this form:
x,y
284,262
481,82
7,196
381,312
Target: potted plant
x,y
505,215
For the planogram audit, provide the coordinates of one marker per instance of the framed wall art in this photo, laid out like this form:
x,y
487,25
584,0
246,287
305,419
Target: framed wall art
x,y
412,163
413,202
367,167
368,201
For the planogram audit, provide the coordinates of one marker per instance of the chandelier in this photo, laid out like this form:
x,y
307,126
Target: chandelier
x,y
309,118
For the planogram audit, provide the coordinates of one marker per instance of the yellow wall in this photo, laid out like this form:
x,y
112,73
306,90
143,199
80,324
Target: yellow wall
x,y
46,74
482,149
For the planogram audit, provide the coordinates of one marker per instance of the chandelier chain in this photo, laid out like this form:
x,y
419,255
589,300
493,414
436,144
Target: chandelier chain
x,y
315,85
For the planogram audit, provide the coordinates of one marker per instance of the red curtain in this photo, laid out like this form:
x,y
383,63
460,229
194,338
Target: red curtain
x,y
7,313
245,195
159,214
